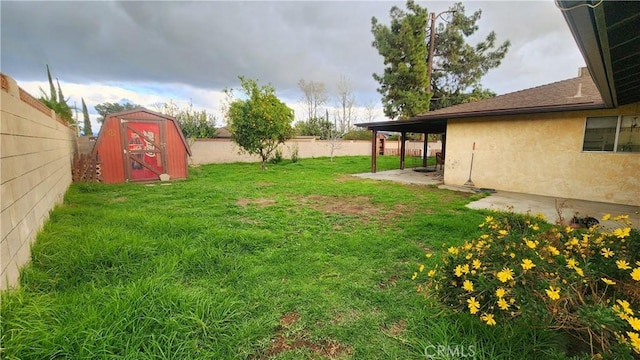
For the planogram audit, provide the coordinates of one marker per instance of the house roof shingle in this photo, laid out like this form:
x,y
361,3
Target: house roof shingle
x,y
573,94
579,93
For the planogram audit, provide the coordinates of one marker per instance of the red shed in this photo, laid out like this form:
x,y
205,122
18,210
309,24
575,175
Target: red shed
x,y
140,145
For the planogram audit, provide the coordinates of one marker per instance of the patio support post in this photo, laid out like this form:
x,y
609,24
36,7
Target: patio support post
x,y
402,148
374,149
424,150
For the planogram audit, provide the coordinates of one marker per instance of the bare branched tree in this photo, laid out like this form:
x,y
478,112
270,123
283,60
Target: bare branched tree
x,y
370,111
314,96
346,101
334,135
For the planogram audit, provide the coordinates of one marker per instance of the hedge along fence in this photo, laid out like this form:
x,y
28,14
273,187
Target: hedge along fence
x,y
36,153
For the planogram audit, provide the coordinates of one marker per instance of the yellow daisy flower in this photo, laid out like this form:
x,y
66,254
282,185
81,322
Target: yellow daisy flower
x,y
527,264
606,217
606,252
458,271
635,340
476,264
553,292
621,233
488,318
635,274
608,281
505,275
502,304
467,285
625,306
473,305
634,322
623,265
500,292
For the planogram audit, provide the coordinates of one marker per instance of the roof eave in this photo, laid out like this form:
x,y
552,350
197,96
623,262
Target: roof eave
x,y
476,114
588,28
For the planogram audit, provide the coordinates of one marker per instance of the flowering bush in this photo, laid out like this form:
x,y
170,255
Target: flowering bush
x,y
582,281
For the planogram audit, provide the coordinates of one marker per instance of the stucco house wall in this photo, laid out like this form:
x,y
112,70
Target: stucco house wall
x,y
541,154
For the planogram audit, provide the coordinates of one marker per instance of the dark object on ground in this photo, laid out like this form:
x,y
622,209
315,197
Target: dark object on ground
x,y
586,221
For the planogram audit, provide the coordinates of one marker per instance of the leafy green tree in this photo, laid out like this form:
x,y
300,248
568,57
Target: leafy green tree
x,y
195,124
442,100
56,101
458,66
261,122
107,108
404,83
319,127
87,122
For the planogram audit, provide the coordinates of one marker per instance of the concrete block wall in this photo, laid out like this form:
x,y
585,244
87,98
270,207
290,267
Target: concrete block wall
x,y
36,152
223,150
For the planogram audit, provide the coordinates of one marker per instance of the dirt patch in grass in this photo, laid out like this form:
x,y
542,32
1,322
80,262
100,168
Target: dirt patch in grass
x,y
289,319
259,202
359,206
341,318
283,342
390,282
264,184
325,348
396,329
350,205
346,177
119,199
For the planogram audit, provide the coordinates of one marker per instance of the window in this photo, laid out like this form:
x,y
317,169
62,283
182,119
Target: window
x,y
612,133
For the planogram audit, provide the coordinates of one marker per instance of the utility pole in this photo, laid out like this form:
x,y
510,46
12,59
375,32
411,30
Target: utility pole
x,y
432,42
432,39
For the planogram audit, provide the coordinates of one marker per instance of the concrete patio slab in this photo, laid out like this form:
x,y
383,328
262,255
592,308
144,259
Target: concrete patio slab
x,y
422,176
516,202
534,204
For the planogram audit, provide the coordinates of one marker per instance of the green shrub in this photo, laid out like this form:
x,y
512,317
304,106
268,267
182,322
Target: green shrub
x,y
584,282
294,153
357,135
276,158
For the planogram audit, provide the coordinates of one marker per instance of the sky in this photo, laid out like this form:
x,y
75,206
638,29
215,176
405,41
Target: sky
x,y
150,52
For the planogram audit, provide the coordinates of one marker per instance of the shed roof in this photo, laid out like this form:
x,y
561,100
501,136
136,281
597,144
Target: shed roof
x,y
579,93
122,114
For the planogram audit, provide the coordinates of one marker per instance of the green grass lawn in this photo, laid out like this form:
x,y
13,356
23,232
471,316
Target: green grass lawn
x,y
299,261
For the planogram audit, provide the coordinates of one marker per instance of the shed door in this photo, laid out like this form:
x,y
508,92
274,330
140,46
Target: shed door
x,y
144,158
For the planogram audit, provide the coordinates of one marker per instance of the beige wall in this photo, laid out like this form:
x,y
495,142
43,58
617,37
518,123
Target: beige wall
x,y
35,169
209,151
541,154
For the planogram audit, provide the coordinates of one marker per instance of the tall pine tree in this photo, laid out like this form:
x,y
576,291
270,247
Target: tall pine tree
x,y
457,67
86,129
402,45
